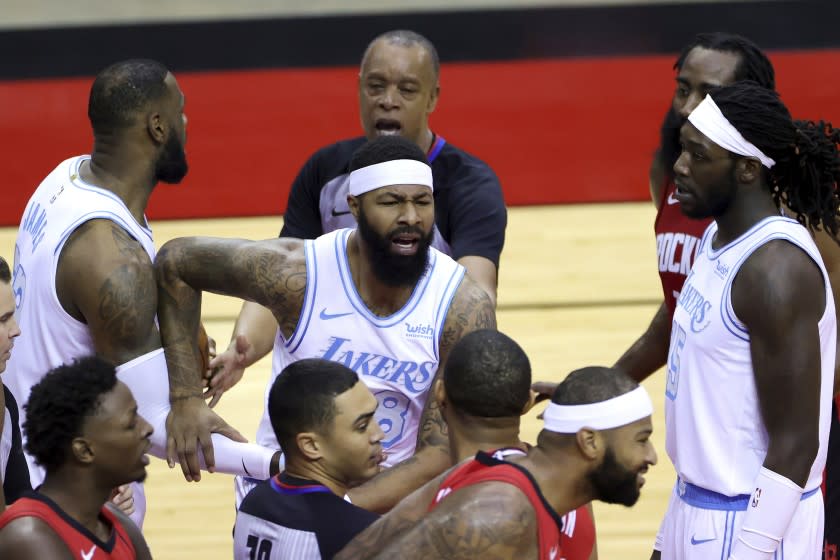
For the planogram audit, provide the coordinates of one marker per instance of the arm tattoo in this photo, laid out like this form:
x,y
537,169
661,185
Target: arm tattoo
x,y
471,310
126,301
481,522
272,273
124,243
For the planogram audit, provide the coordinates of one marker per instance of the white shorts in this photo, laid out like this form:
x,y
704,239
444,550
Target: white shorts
x,y
702,525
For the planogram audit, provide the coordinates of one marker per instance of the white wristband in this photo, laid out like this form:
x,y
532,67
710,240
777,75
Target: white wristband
x,y
768,516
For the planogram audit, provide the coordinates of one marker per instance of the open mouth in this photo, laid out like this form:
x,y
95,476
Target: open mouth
x,y
680,192
388,127
144,458
405,243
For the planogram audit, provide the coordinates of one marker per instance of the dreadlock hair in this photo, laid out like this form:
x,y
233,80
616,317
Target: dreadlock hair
x,y
59,404
753,65
807,169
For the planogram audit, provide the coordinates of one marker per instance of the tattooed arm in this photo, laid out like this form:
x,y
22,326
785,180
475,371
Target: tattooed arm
x,y
105,279
471,309
272,273
491,520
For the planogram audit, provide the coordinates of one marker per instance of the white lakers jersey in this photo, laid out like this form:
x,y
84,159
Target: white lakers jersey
x,y
715,435
396,356
49,336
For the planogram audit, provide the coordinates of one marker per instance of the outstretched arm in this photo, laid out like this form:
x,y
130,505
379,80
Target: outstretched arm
x,y
650,351
491,520
272,273
471,309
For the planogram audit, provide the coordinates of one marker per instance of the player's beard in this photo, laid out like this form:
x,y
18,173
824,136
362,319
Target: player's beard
x,y
613,483
389,268
171,167
669,140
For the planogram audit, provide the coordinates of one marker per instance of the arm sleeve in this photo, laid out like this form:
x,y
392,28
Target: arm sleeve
x,y
478,216
302,218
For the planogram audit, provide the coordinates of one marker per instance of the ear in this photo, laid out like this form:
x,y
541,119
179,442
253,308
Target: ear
x,y
439,392
590,443
433,98
353,203
156,126
82,450
532,400
748,170
309,445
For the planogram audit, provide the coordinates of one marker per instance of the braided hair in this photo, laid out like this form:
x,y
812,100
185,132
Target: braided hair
x,y
807,170
753,65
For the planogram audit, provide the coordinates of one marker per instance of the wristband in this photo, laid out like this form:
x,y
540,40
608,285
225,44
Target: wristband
x,y
769,513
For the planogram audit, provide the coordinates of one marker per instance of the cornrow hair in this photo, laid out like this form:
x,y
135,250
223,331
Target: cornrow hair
x,y
753,63
807,170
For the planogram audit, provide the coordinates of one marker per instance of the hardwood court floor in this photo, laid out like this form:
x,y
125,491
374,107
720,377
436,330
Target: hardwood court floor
x,y
577,285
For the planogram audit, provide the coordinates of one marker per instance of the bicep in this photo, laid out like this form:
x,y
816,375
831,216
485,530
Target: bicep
x,y
483,272
471,310
110,280
778,296
270,272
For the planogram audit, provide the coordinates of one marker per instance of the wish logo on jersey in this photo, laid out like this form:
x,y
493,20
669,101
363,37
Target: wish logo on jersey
x,y
696,305
419,331
414,376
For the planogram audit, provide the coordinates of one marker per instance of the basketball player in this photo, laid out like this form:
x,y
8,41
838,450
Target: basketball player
x,y
711,61
378,299
82,426
595,445
83,278
752,354
14,476
483,393
398,90
322,417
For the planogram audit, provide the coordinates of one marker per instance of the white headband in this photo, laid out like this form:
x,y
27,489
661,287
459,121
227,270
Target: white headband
x,y
394,172
708,119
605,415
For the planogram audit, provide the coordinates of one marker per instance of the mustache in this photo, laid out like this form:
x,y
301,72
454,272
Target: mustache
x,y
407,230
